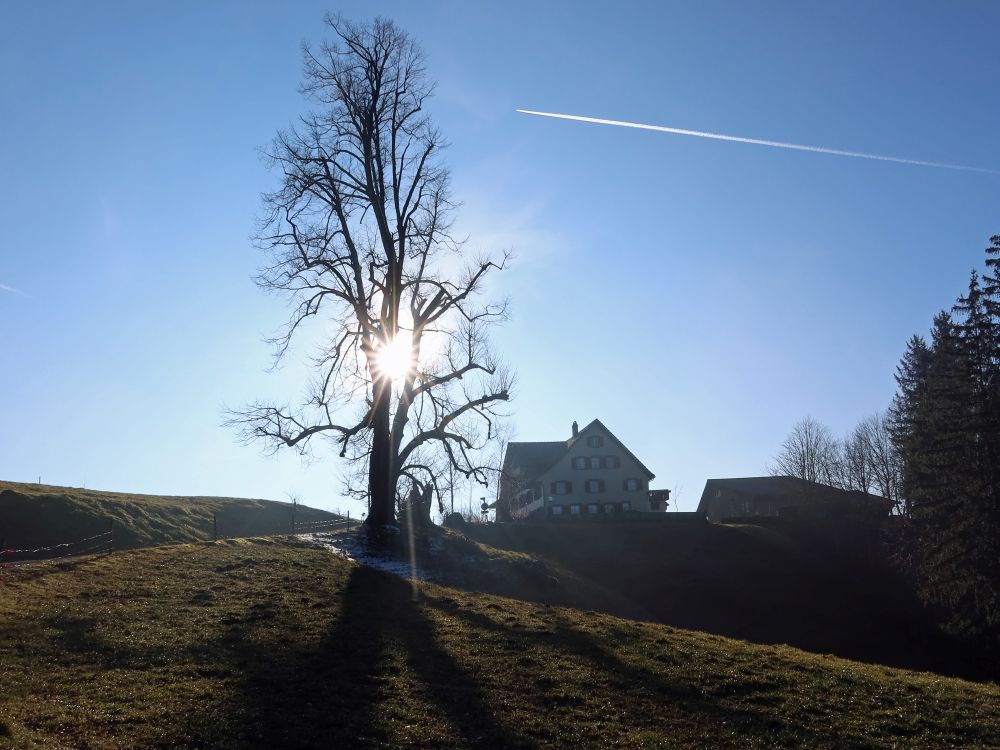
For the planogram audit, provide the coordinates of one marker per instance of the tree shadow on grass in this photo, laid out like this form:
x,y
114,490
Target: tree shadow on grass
x,y
347,666
340,693
681,700
324,694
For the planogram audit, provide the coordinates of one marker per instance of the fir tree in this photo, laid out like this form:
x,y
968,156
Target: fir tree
x,y
946,424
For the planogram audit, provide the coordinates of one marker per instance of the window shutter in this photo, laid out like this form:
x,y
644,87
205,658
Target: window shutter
x,y
569,488
552,488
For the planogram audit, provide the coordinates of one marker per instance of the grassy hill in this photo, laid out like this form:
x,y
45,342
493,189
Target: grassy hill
x,y
262,643
789,584
37,515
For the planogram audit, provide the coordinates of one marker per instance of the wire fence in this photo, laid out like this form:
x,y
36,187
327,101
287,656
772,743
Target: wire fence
x,y
105,537
329,524
12,558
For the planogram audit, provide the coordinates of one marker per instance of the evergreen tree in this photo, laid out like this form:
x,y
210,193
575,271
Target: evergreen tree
x,y
946,424
938,475
907,413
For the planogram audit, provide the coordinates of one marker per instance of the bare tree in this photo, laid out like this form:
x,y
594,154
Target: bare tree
x,y
359,237
809,452
867,460
885,466
857,471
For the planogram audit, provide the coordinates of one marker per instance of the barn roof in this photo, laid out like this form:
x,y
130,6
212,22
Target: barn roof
x,y
779,488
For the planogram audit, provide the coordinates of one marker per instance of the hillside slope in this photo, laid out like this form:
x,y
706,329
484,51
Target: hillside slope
x,y
261,643
38,515
782,584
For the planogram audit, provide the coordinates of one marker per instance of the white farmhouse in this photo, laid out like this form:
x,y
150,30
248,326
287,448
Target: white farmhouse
x,y
591,474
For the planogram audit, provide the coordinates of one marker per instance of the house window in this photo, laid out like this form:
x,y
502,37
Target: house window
x,y
556,510
631,484
609,507
562,488
592,508
574,509
594,486
595,462
595,441
612,462
626,506
580,462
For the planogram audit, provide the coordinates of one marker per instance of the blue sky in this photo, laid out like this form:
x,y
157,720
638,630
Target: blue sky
x,y
697,296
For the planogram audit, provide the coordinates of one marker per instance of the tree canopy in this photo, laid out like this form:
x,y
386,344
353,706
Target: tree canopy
x,y
359,237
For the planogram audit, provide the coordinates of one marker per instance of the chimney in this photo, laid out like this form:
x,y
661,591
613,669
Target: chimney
x,y
576,428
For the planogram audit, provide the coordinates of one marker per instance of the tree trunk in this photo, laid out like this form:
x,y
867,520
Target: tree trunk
x,y
381,471
426,499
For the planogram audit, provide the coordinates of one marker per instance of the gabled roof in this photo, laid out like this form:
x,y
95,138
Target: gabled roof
x,y
598,423
782,488
529,461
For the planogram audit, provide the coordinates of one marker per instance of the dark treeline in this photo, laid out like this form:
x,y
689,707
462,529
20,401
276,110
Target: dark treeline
x,y
936,455
946,425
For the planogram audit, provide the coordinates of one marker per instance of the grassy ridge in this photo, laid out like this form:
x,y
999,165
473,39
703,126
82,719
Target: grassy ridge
x,y
36,515
260,643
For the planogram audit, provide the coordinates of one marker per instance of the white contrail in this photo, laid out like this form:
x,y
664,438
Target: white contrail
x,y
758,141
12,290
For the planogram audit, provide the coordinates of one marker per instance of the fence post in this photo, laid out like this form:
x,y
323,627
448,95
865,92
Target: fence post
x,y
348,520
111,536
215,528
294,503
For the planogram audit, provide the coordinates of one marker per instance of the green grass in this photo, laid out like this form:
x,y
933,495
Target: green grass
x,y
263,643
36,515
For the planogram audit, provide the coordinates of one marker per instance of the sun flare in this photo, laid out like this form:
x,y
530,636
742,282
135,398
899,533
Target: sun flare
x,y
395,359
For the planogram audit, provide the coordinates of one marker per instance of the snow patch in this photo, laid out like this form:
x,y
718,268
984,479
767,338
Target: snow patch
x,y
355,548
